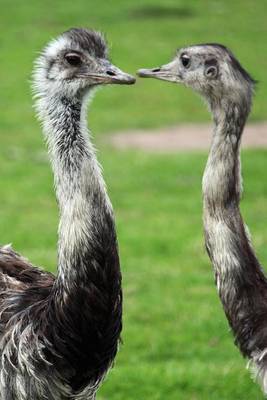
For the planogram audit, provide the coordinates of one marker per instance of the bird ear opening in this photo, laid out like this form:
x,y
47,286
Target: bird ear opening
x,y
211,69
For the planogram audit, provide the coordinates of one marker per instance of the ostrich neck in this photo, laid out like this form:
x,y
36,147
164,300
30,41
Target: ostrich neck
x,y
74,163
227,242
222,178
221,193
240,280
86,300
85,209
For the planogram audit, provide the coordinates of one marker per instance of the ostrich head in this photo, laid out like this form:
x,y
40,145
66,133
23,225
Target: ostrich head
x,y
75,62
209,69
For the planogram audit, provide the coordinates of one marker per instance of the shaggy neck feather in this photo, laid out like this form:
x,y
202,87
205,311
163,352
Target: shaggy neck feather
x,y
222,178
224,229
86,298
239,277
80,188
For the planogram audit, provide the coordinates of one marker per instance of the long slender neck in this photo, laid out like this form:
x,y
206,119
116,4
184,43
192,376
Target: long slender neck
x,y
76,170
222,189
240,280
222,179
80,189
86,298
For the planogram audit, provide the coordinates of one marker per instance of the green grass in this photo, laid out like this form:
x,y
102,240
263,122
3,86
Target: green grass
x,y
176,339
142,34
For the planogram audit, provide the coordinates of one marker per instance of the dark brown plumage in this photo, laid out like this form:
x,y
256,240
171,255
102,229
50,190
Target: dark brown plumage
x,y
59,334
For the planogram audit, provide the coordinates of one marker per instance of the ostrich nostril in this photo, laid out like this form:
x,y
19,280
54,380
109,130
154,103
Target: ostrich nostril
x,y
111,73
156,70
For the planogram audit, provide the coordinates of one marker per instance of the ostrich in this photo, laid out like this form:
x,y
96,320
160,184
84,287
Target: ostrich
x,y
213,72
59,334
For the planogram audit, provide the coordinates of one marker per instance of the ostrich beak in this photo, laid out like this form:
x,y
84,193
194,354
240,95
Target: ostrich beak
x,y
168,72
108,73
113,74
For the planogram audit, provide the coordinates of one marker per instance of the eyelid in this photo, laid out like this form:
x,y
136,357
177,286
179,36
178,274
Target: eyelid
x,y
73,54
184,55
185,60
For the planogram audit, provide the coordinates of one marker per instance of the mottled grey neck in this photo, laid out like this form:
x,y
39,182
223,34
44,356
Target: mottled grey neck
x,y
86,300
239,277
224,230
222,179
222,189
80,188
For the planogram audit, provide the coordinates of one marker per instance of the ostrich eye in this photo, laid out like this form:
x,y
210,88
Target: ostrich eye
x,y
185,60
73,59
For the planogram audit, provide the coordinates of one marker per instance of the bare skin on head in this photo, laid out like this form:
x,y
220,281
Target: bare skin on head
x,y
59,335
213,71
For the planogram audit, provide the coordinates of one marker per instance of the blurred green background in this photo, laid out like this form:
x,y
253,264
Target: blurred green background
x,y
176,340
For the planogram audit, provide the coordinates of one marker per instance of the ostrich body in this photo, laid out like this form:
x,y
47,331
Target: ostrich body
x,y
59,335
214,72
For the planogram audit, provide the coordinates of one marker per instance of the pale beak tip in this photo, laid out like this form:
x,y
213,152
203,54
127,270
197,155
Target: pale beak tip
x,y
143,73
125,79
131,80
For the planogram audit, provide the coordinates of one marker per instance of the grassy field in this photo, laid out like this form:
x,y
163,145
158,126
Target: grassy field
x,y
141,33
176,339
